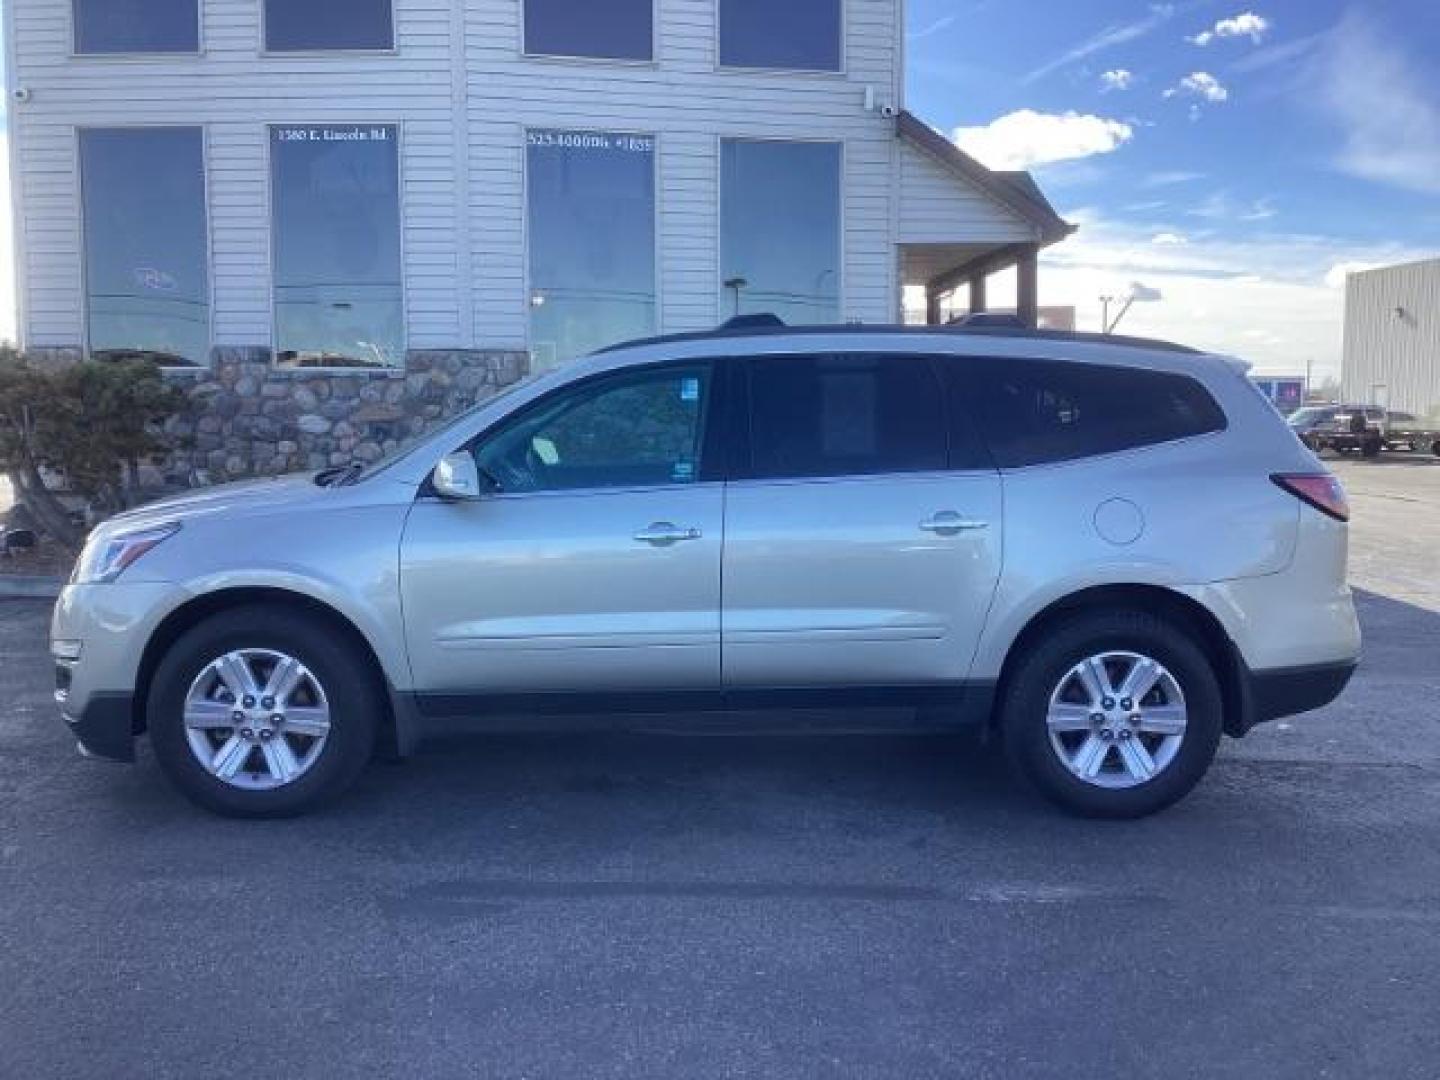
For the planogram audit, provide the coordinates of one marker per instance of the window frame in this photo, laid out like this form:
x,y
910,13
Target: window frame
x,y
740,430
209,237
657,219
525,53
399,370
265,51
986,366
840,72
714,452
842,277
72,38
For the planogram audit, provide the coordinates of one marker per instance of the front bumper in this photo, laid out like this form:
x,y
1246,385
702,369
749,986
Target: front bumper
x,y
105,727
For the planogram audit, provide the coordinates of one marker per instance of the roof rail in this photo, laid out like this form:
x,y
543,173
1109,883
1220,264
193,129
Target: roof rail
x,y
1078,337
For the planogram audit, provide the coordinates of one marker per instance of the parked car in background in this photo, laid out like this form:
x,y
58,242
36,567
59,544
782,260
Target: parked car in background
x,y
1334,427
1109,552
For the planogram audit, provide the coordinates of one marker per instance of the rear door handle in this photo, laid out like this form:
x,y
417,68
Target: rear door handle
x,y
664,533
948,523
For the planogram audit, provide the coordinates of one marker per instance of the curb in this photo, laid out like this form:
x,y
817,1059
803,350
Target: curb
x,y
30,587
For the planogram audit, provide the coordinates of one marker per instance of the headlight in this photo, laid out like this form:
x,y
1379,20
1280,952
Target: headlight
x,y
105,558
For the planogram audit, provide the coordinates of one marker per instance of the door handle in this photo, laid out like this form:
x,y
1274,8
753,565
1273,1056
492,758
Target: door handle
x,y
664,533
948,523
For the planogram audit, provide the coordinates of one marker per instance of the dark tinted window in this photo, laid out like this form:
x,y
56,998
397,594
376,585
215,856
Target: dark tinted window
x,y
302,25
797,35
137,26
147,290
1035,411
844,416
608,29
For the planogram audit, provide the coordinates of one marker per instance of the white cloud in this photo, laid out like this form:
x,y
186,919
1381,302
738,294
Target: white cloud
x,y
1166,178
1108,38
1116,79
1386,108
1200,84
1245,25
1168,239
1284,294
1025,138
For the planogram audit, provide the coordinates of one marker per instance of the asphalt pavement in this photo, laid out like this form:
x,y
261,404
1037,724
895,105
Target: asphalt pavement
x,y
663,906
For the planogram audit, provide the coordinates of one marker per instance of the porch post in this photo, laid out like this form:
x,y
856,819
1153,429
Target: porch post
x,y
1027,307
933,298
977,293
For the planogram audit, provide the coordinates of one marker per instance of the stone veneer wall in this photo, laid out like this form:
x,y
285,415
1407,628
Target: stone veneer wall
x,y
250,418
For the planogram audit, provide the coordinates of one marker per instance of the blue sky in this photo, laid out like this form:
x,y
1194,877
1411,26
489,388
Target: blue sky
x,y
1239,157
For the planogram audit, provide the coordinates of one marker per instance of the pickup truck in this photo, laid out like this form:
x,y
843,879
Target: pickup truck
x,y
1328,427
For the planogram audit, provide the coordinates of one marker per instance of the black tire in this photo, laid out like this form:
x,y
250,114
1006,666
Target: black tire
x,y
1371,448
1435,448
1040,670
353,687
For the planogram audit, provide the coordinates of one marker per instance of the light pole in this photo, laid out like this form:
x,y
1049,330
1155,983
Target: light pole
x,y
735,285
1138,293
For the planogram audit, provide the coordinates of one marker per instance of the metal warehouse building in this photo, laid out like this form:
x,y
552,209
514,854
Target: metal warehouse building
x,y
1392,338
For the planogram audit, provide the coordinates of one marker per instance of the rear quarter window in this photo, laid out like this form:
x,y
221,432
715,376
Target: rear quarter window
x,y
1032,412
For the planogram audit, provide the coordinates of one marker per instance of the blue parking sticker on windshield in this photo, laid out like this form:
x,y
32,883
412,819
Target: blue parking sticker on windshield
x,y
690,389
684,470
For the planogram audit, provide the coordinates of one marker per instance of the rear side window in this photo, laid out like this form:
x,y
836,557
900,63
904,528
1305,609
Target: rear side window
x,y
813,416
1036,411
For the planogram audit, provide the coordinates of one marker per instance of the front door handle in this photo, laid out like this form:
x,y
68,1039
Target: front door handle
x,y
948,523
664,533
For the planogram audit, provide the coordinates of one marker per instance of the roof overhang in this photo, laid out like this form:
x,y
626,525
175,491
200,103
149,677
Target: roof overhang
x,y
1017,192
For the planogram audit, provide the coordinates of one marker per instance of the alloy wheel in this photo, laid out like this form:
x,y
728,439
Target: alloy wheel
x,y
1117,719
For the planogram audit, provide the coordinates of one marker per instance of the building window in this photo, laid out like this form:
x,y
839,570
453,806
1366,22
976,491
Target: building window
x,y
592,240
797,35
335,226
326,25
147,289
136,26
605,29
780,229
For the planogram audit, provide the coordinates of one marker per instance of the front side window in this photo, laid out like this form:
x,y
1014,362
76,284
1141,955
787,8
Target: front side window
x,y
591,199
136,26
147,288
796,35
780,229
604,29
816,416
314,25
335,227
633,430
1036,411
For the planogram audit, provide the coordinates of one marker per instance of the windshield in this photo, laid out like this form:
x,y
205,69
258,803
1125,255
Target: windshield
x,y
458,420
1309,414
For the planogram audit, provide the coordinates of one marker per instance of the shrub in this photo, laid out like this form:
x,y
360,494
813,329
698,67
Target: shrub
x,y
90,423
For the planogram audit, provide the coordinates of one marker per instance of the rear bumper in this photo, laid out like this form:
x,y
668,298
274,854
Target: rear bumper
x,y
1269,695
104,728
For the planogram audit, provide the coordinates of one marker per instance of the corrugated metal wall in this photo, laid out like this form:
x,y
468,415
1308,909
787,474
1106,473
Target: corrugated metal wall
x,y
1392,338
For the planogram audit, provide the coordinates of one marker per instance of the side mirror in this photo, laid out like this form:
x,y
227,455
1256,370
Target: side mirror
x,y
456,478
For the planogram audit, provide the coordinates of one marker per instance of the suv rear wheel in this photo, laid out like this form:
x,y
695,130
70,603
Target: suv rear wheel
x,y
263,712
1113,714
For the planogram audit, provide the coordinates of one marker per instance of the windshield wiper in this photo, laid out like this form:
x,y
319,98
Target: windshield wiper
x,y
340,475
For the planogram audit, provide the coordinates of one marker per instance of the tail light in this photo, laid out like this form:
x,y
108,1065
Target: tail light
x,y
1320,490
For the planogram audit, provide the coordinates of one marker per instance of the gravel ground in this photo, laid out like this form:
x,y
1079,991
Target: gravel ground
x,y
666,907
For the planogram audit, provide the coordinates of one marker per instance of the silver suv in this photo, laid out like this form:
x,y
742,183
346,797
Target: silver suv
x,y
1110,552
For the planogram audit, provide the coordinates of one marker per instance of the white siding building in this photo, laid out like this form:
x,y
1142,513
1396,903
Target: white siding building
x,y
1392,339
347,191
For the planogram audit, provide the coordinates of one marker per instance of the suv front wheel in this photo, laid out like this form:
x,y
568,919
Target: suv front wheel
x,y
1113,714
263,712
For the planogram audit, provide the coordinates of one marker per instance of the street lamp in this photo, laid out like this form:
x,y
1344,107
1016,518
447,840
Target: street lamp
x,y
1137,294
735,285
